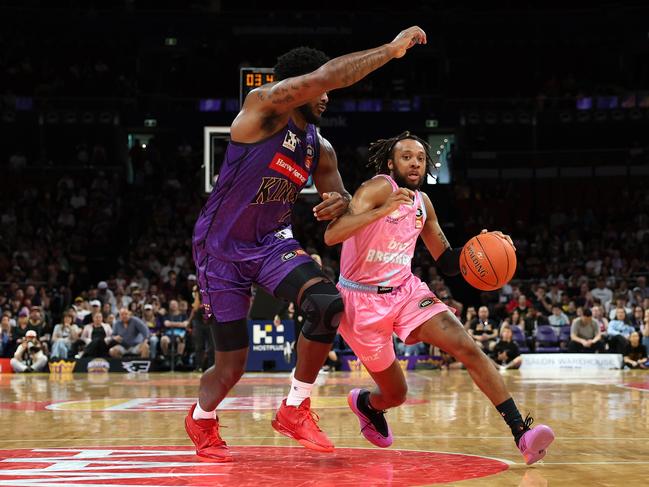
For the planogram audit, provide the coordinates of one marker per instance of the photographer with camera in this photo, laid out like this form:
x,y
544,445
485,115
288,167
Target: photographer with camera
x,y
29,356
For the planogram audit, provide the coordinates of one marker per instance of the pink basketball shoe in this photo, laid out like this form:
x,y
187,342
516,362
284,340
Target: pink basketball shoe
x,y
374,427
535,441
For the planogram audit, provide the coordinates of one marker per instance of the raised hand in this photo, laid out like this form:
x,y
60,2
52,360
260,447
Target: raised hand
x,y
406,39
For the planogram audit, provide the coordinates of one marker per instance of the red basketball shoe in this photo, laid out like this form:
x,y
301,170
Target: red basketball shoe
x,y
207,440
301,424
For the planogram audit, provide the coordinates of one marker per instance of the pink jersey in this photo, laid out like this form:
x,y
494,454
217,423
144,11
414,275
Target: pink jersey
x,y
380,254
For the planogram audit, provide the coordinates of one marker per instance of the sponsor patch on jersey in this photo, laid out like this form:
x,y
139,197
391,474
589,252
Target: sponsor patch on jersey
x,y
308,160
290,141
289,168
419,218
394,221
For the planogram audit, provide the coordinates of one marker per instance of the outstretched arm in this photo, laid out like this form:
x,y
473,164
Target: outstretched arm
x,y
338,73
373,200
268,107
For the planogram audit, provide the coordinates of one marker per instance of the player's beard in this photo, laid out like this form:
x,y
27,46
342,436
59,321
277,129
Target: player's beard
x,y
403,182
308,115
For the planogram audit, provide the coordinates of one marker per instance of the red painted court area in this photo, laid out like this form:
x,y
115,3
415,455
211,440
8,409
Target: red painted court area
x,y
253,466
643,386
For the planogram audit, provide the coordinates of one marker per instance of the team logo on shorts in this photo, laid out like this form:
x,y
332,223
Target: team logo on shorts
x,y
292,254
424,303
289,255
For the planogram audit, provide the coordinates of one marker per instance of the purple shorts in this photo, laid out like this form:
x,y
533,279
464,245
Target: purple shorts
x,y
225,285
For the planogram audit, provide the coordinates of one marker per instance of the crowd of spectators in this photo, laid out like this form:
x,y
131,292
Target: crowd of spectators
x,y
87,257
107,321
99,267
97,262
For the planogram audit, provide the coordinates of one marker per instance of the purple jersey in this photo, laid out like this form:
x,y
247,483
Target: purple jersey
x,y
255,192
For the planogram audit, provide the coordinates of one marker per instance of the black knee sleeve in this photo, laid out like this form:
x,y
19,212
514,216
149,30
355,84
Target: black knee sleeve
x,y
229,335
289,288
322,307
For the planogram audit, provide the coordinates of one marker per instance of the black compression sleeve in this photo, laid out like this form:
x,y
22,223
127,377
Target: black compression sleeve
x,y
449,261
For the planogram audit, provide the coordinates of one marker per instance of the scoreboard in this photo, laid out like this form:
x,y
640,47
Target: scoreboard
x,y
216,139
251,78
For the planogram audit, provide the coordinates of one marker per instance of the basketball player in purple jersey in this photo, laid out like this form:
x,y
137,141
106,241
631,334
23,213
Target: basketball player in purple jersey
x,y
243,233
382,296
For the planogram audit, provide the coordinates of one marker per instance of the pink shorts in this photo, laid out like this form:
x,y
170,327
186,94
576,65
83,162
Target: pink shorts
x,y
370,319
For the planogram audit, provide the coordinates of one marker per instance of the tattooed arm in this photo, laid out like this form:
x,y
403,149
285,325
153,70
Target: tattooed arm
x,y
432,233
338,73
267,107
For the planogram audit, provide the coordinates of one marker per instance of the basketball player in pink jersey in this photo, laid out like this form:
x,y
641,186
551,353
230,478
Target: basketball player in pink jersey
x,y
381,295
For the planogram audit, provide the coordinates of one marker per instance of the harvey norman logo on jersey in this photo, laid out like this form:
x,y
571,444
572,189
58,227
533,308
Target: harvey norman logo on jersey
x,y
289,168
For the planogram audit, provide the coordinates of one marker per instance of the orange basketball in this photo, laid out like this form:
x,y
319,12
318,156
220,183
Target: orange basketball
x,y
488,261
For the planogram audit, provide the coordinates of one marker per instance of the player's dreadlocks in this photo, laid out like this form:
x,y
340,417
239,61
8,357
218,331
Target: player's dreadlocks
x,y
382,150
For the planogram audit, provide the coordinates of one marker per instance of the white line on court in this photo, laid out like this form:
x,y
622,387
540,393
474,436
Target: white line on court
x,y
631,462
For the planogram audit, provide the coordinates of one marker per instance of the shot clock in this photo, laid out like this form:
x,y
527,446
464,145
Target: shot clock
x,y
251,78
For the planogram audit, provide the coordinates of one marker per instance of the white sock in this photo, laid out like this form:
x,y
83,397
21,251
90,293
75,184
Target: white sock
x,y
200,413
298,393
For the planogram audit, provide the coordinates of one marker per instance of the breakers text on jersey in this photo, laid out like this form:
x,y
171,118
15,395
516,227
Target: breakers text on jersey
x,y
400,246
399,258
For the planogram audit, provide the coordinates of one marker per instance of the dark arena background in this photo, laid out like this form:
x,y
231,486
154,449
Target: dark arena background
x,y
114,122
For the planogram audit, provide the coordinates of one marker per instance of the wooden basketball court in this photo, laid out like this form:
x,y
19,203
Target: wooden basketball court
x,y
114,429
